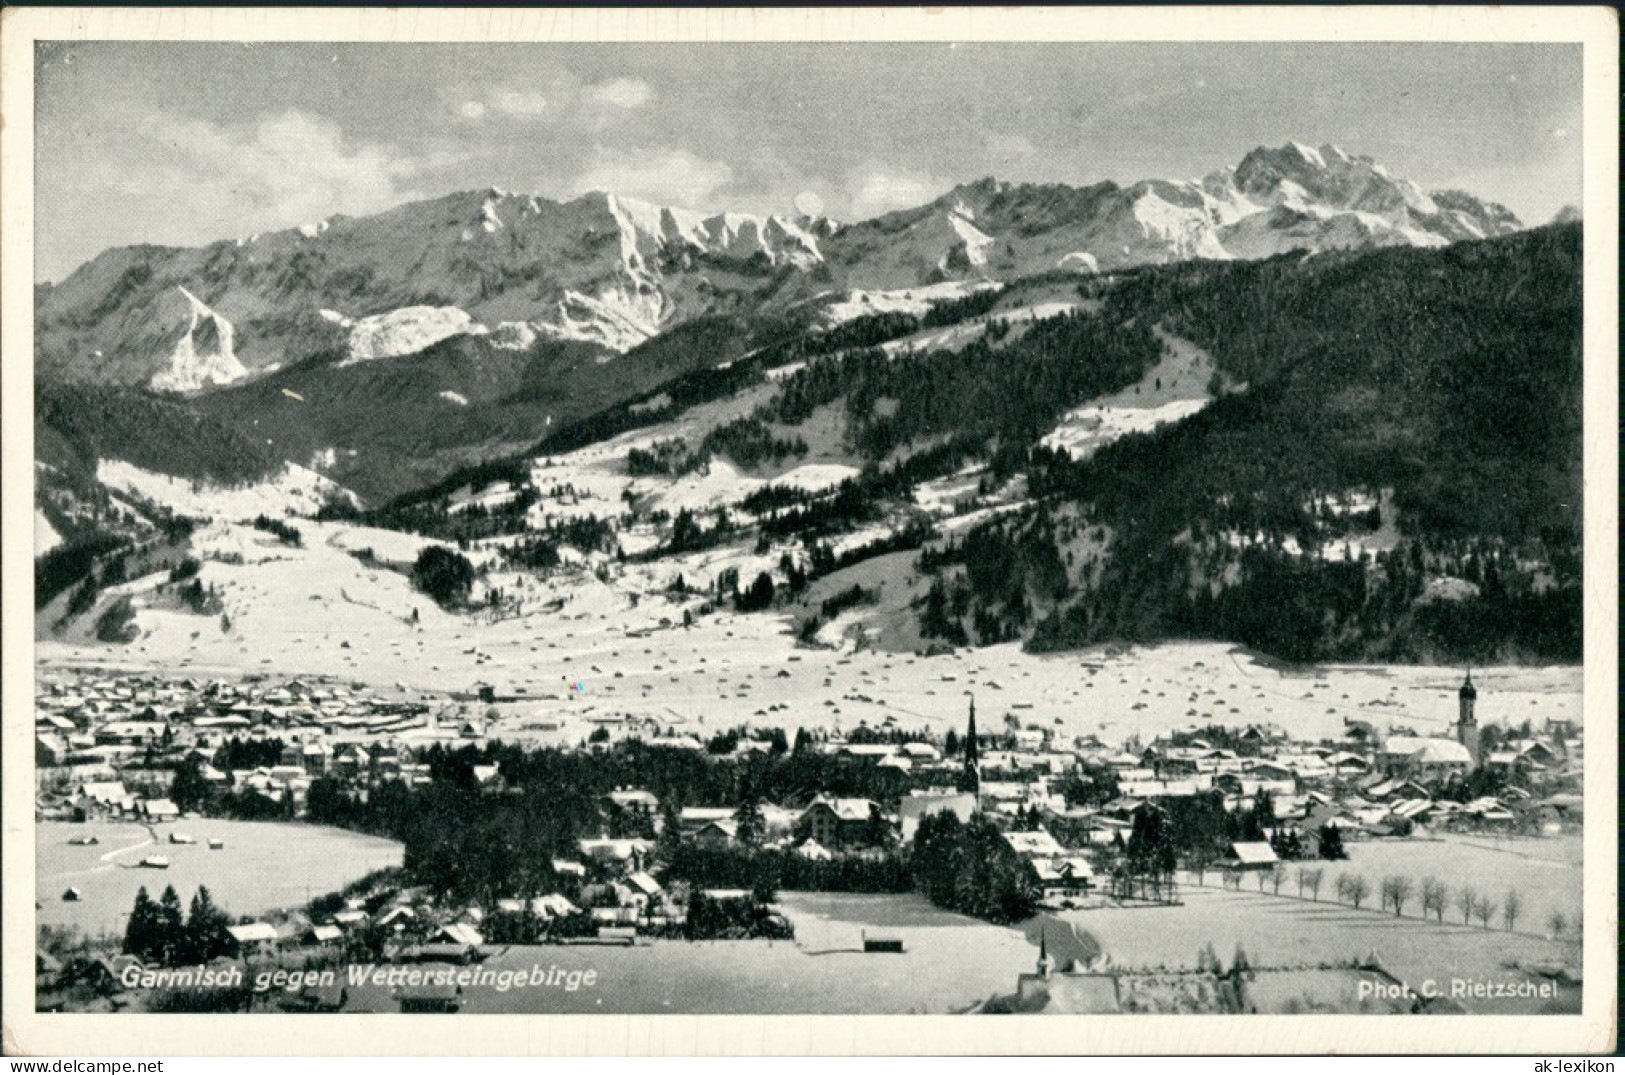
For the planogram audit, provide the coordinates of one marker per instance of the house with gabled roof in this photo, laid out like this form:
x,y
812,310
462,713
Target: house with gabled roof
x,y
837,822
1033,844
1425,757
1065,876
253,938
159,810
1249,856
459,933
635,800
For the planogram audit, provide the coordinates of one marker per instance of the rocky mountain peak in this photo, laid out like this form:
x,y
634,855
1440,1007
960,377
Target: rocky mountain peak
x,y
615,271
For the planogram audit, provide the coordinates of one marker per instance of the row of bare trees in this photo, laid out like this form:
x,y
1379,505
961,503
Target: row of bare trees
x,y
1397,892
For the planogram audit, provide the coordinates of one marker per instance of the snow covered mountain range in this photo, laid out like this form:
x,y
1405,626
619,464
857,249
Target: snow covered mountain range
x,y
615,272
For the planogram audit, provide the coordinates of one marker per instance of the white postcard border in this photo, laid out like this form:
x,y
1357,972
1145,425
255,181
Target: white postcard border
x,y
28,1032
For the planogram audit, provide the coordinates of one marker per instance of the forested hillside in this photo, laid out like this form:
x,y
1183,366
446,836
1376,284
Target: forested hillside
x,y
75,425
1450,378
1375,455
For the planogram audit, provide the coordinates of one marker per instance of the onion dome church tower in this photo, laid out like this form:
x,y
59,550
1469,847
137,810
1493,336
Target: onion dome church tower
x,y
1467,720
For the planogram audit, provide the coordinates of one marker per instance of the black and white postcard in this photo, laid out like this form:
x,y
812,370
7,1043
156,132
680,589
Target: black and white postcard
x,y
1084,516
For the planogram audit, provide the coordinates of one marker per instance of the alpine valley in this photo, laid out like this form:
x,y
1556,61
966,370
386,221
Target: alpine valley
x,y
1300,405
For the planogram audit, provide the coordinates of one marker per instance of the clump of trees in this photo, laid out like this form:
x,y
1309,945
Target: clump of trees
x,y
444,575
1331,843
117,623
285,533
1395,892
735,919
968,867
768,869
1149,857
158,933
663,458
748,441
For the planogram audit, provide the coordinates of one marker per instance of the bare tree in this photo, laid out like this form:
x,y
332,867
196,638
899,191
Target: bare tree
x,y
1467,900
1399,893
1303,880
1356,889
1277,875
1433,898
1314,879
1484,911
1263,875
1511,909
1557,925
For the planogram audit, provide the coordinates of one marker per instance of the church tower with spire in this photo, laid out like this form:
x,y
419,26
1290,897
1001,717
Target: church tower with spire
x,y
973,754
1467,719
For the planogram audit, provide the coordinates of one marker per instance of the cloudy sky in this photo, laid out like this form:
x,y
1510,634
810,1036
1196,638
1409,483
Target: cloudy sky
x,y
188,143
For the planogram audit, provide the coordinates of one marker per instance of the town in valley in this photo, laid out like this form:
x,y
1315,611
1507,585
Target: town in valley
x,y
1337,874
526,529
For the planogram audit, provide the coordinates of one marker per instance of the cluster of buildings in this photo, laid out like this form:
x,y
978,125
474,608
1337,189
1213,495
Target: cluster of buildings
x,y
108,745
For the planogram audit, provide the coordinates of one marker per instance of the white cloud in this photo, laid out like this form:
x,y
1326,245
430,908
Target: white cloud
x,y
668,177
290,168
503,101
874,193
522,103
620,93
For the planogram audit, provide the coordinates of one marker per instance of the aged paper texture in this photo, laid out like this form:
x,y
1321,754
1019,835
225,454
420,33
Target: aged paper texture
x,y
801,531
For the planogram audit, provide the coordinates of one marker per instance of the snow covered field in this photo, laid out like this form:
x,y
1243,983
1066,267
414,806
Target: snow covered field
x,y
917,301
263,865
294,489
596,476
619,648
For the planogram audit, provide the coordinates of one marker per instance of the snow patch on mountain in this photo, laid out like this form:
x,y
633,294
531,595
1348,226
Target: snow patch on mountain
x,y
850,305
406,331
1079,261
1171,391
1176,216
513,336
647,231
488,214
971,251
1283,229
294,490
45,536
1016,320
203,355
618,318
454,397
325,459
